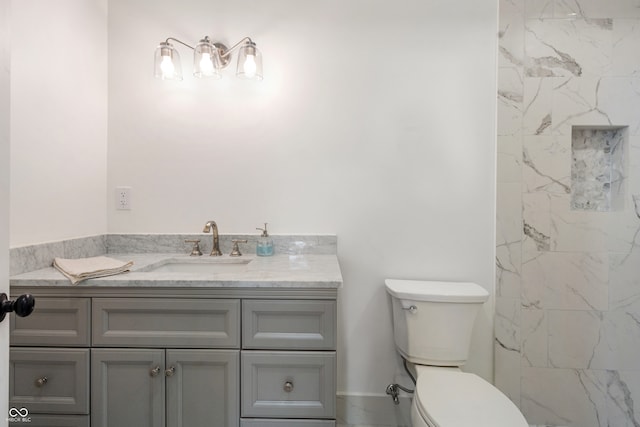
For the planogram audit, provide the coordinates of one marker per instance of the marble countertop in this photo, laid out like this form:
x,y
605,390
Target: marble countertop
x,y
283,271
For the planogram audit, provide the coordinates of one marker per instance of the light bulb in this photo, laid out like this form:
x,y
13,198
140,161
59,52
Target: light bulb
x,y
167,67
206,65
250,66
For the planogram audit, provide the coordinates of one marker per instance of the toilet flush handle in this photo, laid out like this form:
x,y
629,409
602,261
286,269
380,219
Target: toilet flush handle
x,y
411,309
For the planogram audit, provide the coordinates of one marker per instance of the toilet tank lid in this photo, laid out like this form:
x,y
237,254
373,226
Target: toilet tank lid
x,y
437,291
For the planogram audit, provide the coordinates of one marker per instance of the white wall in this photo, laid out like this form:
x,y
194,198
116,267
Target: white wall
x,y
5,108
375,121
58,120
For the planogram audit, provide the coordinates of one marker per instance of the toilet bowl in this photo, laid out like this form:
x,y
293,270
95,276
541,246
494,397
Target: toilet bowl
x,y
432,323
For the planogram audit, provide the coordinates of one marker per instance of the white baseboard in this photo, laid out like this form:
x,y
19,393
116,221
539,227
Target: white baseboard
x,y
373,410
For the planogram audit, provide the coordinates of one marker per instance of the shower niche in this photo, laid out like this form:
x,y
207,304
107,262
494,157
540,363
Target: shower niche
x,y
598,167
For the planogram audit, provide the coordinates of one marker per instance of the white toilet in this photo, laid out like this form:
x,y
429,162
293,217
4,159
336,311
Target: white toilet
x,y
432,323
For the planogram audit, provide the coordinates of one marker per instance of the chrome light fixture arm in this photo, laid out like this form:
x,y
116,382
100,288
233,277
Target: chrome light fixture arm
x,y
226,52
179,41
223,51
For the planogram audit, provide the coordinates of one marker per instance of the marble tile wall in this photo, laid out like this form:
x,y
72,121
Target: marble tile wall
x,y
567,335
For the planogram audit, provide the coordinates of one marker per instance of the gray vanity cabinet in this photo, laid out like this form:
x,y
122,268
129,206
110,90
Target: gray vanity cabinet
x,y
209,357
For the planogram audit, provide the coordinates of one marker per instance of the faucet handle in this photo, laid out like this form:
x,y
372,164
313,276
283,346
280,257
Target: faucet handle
x,y
195,251
236,251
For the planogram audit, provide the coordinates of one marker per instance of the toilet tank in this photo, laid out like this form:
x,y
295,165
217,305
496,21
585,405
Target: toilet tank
x,y
433,321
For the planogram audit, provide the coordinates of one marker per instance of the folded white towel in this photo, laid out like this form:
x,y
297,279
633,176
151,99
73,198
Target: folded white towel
x,y
81,269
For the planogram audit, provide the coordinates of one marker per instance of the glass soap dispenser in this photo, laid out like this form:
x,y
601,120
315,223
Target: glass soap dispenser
x,y
265,243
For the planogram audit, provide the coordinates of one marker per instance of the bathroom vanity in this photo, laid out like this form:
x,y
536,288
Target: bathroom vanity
x,y
156,348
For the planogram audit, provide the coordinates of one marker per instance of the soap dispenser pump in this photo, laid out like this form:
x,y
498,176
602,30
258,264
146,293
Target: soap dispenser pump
x,y
265,243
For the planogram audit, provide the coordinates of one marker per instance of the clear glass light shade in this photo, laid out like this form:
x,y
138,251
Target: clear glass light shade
x,y
206,60
249,62
167,62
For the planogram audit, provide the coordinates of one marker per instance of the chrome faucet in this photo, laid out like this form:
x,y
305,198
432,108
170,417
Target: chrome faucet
x,y
209,226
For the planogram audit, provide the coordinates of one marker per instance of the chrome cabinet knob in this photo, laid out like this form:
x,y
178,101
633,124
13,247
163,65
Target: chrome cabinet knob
x,y
288,386
40,382
154,372
169,372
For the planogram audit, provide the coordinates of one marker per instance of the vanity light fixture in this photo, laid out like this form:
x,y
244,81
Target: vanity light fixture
x,y
208,59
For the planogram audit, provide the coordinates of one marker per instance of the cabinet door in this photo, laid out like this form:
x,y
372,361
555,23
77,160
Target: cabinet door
x,y
128,388
202,388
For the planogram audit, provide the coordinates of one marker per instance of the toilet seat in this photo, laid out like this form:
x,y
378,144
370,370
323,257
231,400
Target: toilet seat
x,y
450,398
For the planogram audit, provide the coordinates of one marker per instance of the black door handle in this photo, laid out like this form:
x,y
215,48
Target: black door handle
x,y
23,305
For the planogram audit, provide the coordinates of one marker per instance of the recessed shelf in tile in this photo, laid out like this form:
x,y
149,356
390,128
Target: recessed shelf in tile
x,y
598,168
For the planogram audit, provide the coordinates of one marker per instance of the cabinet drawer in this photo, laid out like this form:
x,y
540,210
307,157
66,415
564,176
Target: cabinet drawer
x,y
289,324
56,322
49,380
286,423
288,384
149,322
38,420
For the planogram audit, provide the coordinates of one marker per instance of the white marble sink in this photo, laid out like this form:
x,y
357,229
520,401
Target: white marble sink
x,y
199,265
